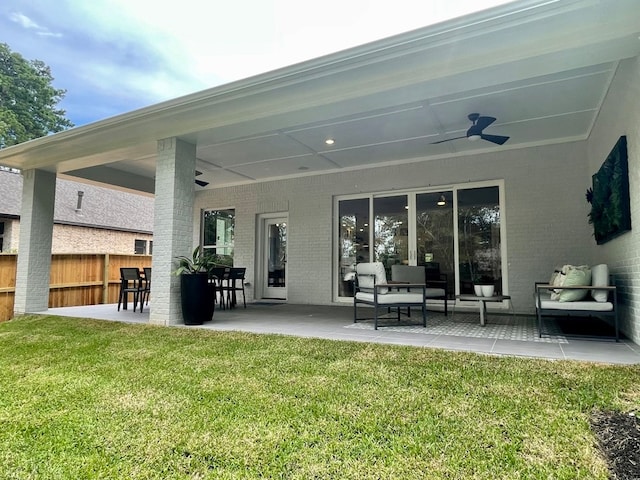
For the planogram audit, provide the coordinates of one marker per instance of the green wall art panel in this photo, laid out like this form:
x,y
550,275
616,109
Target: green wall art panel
x,y
609,197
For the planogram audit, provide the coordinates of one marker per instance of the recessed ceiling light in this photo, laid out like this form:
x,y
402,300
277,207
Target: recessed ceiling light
x,y
329,141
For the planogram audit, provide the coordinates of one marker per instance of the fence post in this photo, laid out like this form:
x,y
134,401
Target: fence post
x,y
105,280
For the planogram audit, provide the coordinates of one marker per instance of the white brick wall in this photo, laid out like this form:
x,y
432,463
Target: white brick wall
x,y
545,214
173,226
34,262
620,115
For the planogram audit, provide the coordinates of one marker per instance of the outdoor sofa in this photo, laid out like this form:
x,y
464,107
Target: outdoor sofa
x,y
571,292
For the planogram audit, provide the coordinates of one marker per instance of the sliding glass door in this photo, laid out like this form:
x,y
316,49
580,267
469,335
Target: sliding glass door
x,y
456,231
479,238
435,234
353,241
391,234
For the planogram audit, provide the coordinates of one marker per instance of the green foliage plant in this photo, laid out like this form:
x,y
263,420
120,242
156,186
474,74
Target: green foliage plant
x,y
28,100
199,262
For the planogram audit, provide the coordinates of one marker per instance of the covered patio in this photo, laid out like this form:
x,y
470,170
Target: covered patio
x,y
370,136
503,335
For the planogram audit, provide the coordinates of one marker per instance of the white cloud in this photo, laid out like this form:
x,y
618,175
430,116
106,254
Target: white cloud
x,y
220,41
23,20
26,22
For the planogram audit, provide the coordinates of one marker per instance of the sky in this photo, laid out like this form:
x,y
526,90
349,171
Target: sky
x,y
115,56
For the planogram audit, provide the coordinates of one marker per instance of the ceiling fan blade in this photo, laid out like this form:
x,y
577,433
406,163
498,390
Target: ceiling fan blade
x,y
484,122
497,139
202,183
447,140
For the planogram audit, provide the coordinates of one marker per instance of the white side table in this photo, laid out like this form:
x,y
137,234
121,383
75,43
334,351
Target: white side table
x,y
482,303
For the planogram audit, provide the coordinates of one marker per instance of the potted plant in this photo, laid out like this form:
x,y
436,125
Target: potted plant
x,y
484,286
197,294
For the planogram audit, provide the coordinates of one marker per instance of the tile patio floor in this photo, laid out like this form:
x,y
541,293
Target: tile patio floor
x,y
503,334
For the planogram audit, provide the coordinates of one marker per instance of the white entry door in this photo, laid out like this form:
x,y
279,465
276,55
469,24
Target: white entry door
x,y
275,258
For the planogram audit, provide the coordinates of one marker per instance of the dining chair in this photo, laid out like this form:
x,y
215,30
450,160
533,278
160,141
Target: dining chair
x,y
130,282
235,284
220,278
146,287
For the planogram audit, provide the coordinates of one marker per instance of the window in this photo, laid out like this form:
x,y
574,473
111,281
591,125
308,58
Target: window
x,y
218,228
150,247
140,247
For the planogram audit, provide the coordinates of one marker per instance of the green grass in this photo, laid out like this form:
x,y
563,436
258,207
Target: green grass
x,y
89,399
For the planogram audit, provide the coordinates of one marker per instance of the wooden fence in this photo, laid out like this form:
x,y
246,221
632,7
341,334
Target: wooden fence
x,y
76,279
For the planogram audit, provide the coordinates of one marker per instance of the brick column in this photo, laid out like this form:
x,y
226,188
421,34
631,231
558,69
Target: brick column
x,y
34,249
173,232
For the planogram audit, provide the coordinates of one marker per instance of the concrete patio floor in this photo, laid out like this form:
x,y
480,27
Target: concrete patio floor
x,y
503,335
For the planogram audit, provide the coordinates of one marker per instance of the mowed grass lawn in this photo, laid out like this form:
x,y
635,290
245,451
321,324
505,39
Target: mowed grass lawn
x,y
83,399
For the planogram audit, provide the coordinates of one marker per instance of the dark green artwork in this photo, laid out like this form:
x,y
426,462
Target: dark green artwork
x,y
610,206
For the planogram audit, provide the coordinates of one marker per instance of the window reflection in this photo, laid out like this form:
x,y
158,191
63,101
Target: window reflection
x,y
479,238
218,234
391,231
354,241
434,233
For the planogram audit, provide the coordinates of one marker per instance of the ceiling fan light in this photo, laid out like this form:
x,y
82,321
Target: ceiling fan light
x,y
473,138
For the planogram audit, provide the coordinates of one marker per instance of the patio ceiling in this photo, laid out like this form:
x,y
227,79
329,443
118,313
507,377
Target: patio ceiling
x,y
542,68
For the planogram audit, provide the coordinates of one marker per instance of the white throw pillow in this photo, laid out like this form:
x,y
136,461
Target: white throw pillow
x,y
600,278
558,281
554,275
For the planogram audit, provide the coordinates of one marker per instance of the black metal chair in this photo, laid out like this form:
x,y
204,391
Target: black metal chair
x,y
220,278
436,280
130,282
145,291
235,283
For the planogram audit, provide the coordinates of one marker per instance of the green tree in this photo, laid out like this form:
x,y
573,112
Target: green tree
x,y
27,100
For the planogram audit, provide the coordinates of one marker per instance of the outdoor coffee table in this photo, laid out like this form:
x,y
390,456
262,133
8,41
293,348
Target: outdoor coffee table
x,y
482,303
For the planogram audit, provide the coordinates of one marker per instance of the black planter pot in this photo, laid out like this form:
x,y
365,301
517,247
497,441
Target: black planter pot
x,y
197,297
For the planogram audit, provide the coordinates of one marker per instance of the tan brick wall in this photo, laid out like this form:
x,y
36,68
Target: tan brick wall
x,y
73,239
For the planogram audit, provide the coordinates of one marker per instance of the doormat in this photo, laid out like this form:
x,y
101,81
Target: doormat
x,y
503,327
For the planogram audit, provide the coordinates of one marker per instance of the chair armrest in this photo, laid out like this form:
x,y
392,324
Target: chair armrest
x,y
401,285
546,286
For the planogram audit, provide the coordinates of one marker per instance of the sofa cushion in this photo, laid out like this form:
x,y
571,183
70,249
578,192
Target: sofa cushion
x,y
367,272
392,299
434,292
600,278
407,273
576,276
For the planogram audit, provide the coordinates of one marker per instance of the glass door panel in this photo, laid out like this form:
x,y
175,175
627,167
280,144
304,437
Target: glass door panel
x,y
353,243
479,238
434,234
391,235
275,258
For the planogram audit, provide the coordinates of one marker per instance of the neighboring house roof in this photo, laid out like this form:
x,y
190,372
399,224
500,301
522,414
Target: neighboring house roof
x,y
101,207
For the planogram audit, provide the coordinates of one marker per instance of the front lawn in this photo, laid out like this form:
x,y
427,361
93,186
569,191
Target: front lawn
x,y
95,399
